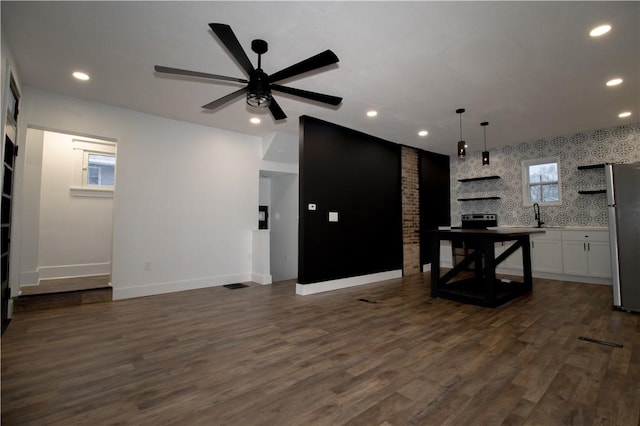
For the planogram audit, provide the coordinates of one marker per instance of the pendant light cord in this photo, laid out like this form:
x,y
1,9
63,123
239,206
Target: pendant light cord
x,y
485,137
484,125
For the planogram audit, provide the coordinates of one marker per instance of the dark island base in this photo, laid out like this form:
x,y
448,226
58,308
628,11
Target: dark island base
x,y
471,292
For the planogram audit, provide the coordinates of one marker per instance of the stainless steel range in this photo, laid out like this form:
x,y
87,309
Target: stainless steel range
x,y
471,221
479,220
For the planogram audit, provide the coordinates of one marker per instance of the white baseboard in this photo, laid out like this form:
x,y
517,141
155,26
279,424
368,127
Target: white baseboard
x,y
131,291
29,278
306,289
261,279
70,271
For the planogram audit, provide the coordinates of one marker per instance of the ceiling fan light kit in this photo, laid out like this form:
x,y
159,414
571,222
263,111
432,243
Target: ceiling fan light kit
x,y
260,84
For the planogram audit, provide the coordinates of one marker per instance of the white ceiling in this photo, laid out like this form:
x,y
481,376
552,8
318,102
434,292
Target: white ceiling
x,y
529,68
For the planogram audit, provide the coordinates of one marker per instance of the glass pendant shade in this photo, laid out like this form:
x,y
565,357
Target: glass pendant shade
x,y
485,158
462,151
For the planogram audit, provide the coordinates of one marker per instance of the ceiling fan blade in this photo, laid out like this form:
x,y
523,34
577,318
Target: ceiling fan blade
x,y
327,99
276,111
229,39
178,71
318,61
223,100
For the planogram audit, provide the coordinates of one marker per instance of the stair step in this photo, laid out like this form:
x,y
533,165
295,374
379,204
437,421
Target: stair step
x,y
56,293
35,302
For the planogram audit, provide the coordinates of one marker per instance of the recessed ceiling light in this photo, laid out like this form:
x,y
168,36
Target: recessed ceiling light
x,y
614,82
372,113
254,120
600,30
423,133
81,75
625,114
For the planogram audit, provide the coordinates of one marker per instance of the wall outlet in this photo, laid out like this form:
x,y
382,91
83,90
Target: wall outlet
x,y
333,216
147,265
312,206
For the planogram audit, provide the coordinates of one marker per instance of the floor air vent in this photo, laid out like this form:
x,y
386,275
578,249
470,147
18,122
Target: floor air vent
x,y
235,286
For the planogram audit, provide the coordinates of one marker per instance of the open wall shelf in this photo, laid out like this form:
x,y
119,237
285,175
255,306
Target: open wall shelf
x,y
593,191
479,178
591,166
478,198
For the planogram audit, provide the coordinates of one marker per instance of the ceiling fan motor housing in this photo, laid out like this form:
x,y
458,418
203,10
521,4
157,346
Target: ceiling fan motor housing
x,y
258,91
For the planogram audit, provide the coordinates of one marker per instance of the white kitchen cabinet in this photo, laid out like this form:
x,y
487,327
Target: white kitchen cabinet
x,y
546,252
512,262
446,255
586,253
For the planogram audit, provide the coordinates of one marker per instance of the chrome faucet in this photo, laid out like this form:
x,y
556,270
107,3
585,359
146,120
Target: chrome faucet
x,y
536,211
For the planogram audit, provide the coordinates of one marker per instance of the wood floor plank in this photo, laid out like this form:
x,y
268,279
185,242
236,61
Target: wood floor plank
x,y
262,355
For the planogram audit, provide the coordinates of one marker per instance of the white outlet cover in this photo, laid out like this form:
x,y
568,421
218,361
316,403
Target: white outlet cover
x,y
312,206
333,216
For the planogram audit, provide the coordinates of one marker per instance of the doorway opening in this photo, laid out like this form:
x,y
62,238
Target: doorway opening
x,y
279,193
67,214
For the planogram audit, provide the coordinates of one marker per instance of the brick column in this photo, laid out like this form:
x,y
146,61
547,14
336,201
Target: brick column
x,y
410,212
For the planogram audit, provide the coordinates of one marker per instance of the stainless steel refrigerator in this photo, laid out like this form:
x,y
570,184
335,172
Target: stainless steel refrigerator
x,y
623,200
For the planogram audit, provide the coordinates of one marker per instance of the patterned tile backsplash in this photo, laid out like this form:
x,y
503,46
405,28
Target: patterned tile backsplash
x,y
613,145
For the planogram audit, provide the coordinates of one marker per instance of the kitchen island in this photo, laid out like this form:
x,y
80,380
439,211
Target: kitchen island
x,y
480,285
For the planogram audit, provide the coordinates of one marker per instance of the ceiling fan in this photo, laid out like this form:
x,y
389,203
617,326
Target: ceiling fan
x,y
259,86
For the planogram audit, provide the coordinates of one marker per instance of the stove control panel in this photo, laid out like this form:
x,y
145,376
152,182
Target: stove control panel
x,y
479,216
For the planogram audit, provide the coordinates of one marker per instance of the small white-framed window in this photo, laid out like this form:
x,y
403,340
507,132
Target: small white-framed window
x,y
94,168
541,181
98,169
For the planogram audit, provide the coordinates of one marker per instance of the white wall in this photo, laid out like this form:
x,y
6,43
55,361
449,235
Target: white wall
x,y
185,199
284,227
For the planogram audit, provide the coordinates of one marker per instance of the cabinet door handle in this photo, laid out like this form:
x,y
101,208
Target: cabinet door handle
x,y
584,246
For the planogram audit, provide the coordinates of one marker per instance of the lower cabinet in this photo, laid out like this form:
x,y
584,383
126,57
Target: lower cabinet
x,y
446,254
546,252
512,262
586,253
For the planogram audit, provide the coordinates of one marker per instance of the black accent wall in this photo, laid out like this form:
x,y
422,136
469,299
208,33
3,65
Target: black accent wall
x,y
435,197
359,177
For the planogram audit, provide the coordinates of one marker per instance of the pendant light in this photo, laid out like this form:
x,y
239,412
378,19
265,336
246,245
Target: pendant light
x,y
485,153
462,151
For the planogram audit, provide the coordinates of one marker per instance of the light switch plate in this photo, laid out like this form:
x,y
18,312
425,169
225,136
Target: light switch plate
x,y
333,216
312,206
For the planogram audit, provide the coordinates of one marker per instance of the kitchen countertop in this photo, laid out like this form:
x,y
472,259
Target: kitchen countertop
x,y
548,228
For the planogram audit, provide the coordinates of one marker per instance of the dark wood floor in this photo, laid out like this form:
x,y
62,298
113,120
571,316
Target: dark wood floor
x,y
264,356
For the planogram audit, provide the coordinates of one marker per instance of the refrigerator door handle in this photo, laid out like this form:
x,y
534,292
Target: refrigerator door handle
x,y
608,177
